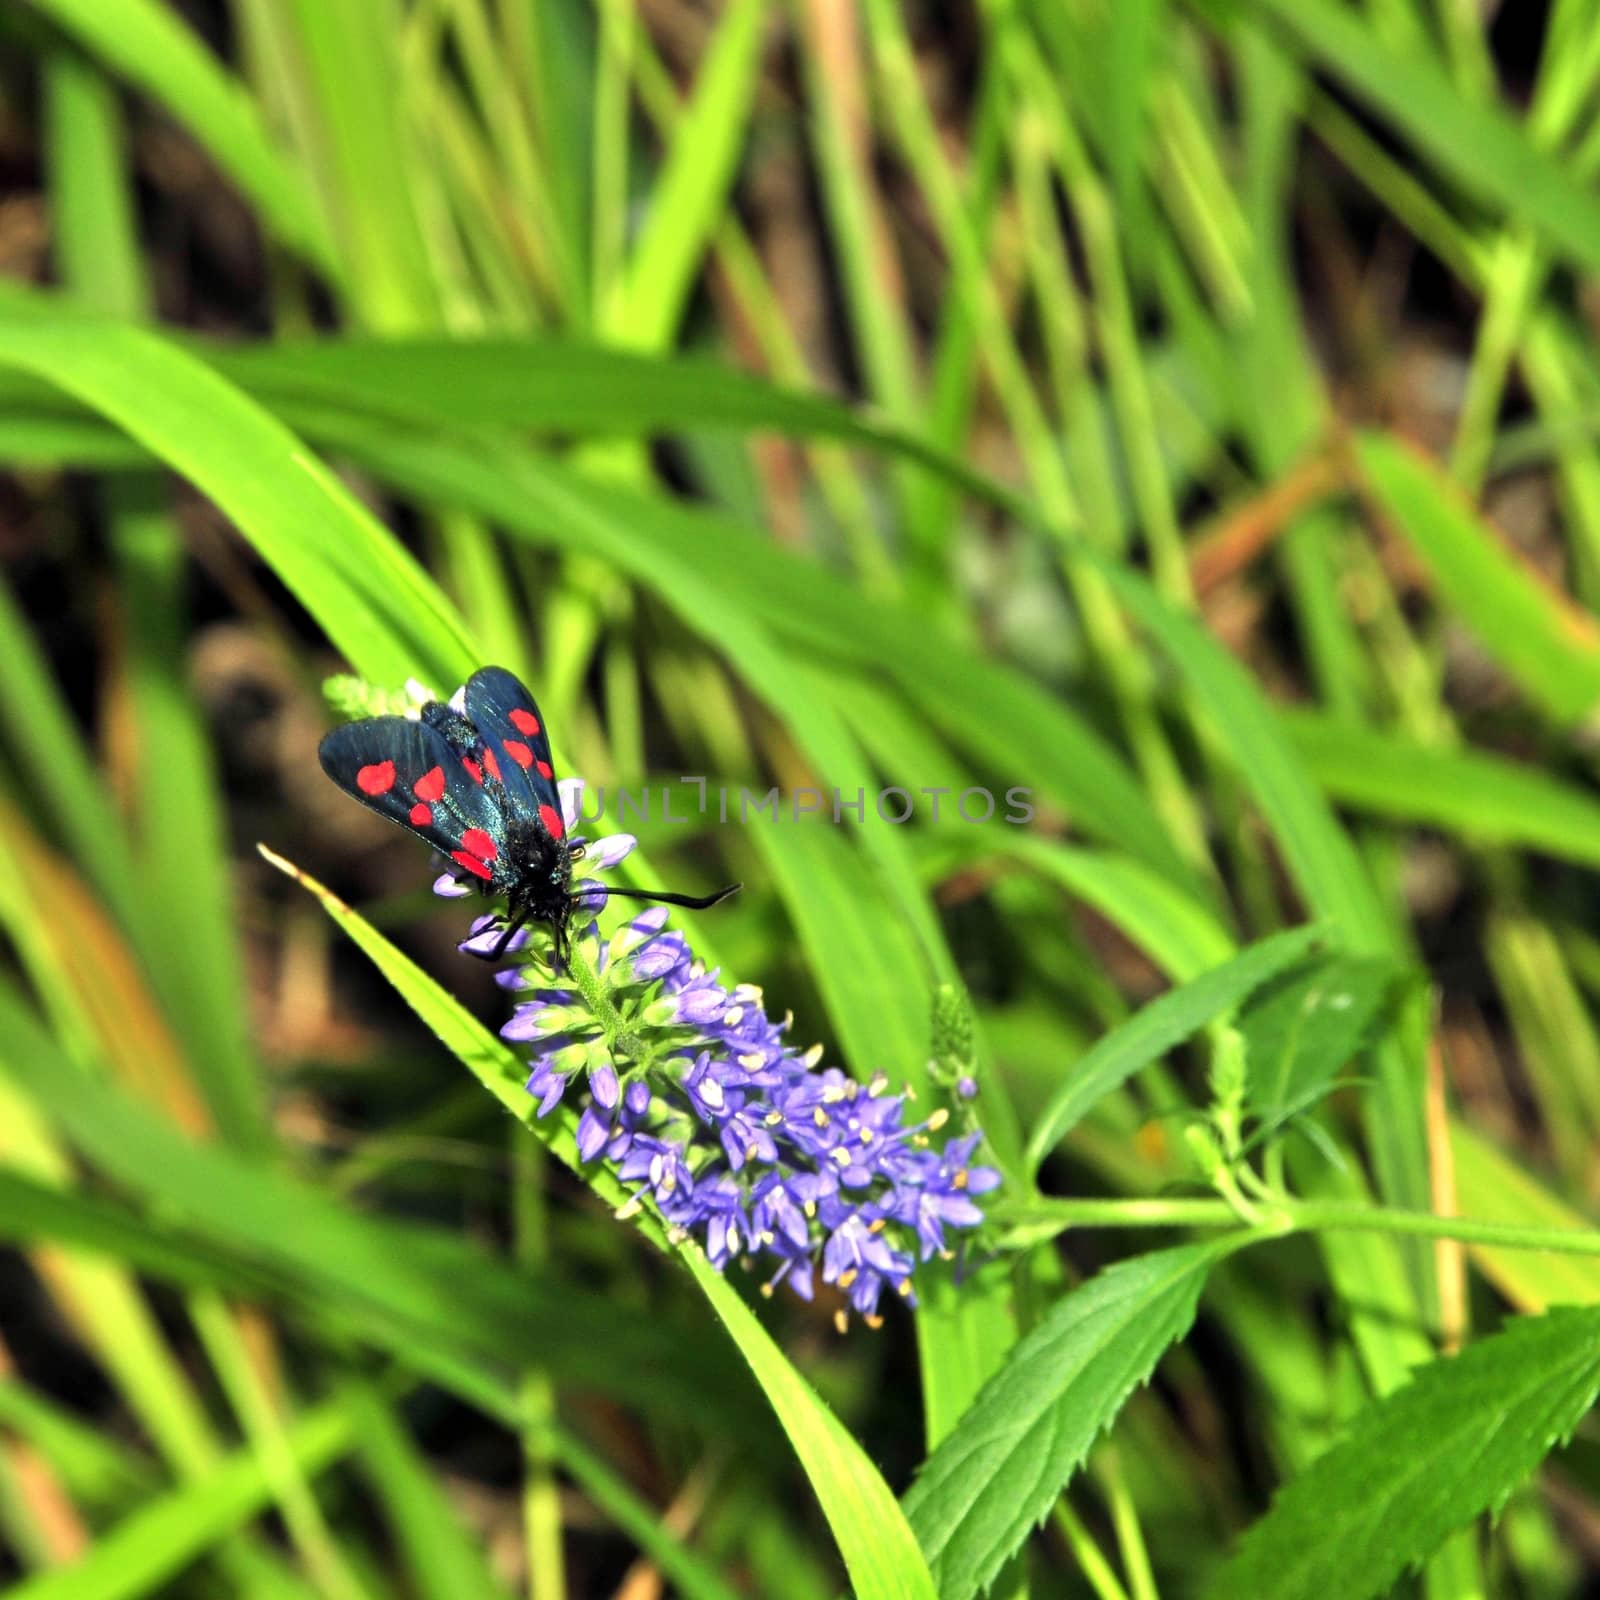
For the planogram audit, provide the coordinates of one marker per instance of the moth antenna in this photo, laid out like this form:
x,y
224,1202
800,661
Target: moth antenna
x,y
694,902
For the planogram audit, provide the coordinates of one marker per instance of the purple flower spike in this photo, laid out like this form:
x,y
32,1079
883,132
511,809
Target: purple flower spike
x,y
450,887
698,1102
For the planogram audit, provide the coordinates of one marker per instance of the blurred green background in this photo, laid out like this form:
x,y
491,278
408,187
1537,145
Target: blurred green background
x,y
1187,413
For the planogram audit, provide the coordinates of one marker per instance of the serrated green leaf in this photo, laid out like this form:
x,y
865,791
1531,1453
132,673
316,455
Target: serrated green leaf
x,y
1304,1026
1159,1027
998,1474
1422,1462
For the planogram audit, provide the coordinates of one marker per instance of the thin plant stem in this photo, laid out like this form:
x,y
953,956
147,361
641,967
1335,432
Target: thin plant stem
x,y
1043,1217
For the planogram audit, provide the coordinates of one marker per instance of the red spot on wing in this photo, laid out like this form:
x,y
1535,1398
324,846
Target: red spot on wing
x,y
524,722
478,843
519,752
473,865
551,818
544,769
490,764
473,769
430,786
421,815
376,779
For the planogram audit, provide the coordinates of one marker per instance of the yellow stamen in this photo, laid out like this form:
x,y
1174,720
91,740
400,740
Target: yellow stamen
x,y
841,1322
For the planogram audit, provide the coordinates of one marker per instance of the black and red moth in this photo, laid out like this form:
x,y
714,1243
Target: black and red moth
x,y
478,785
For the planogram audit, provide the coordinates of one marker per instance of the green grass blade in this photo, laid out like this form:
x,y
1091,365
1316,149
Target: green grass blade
x,y
145,44
1485,798
1531,1280
1029,735
1477,146
348,50
399,1282
168,1534
444,1559
874,1538
866,964
181,870
1545,643
376,604
691,190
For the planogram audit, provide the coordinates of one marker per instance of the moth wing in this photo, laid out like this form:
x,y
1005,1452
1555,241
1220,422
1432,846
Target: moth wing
x,y
410,773
512,731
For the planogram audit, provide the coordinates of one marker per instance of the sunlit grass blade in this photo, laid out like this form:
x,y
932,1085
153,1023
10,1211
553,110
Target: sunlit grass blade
x,y
151,1545
147,45
1548,645
416,1284
1482,797
1530,1280
692,186
1477,146
375,602
874,1538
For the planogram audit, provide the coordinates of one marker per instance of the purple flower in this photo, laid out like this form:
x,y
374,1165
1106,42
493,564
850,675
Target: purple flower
x,y
701,1105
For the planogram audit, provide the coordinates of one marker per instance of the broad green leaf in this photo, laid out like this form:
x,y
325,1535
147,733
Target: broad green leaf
x,y
882,1557
1304,1027
147,45
1421,1462
1159,1027
1545,642
879,1548
1485,798
980,1494
371,597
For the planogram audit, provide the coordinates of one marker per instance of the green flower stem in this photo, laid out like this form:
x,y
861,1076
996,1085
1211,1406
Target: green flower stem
x,y
622,1041
1047,1217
